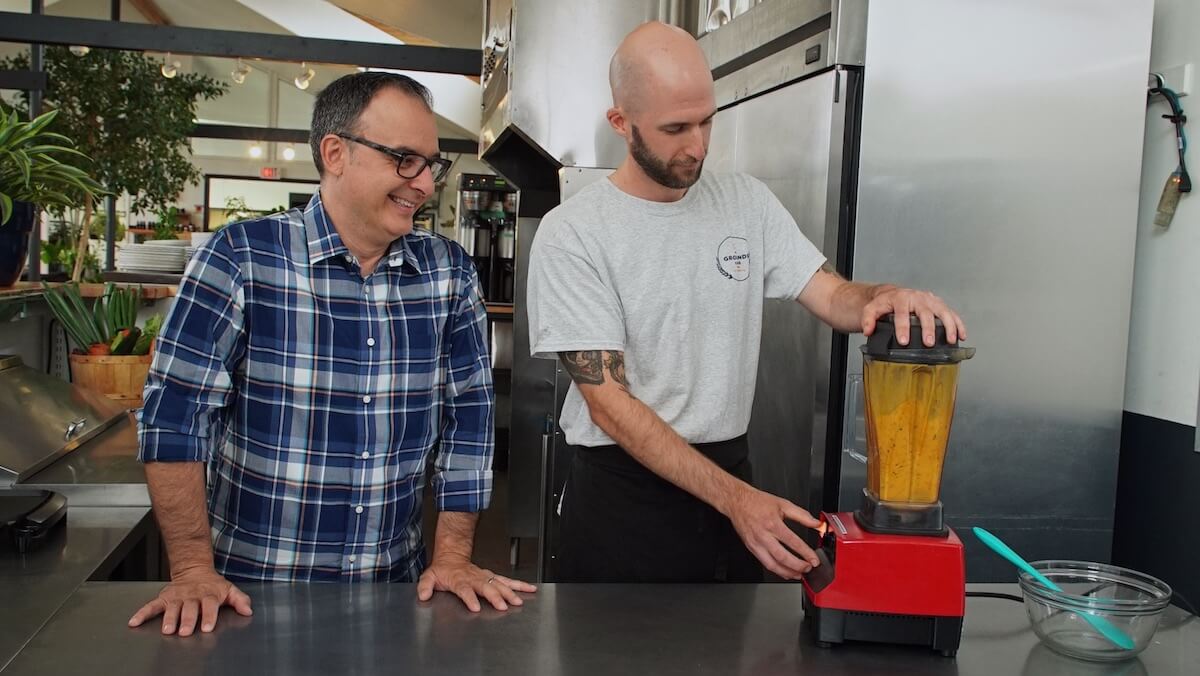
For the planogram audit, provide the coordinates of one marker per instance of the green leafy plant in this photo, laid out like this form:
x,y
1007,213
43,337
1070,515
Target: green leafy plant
x,y
165,227
108,326
163,231
59,251
40,166
100,225
132,121
149,332
128,118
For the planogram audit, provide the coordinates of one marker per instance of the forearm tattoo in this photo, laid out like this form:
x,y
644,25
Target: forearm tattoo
x,y
585,368
588,367
615,361
828,267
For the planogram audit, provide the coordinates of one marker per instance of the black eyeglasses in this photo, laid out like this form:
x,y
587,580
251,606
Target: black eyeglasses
x,y
408,165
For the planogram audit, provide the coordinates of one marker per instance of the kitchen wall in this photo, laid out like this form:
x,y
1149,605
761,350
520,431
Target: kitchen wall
x,y
1160,468
1163,378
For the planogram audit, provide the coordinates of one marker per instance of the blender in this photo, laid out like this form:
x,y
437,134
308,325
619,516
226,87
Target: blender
x,y
892,571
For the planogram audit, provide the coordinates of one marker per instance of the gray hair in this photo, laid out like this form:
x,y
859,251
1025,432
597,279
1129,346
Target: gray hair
x,y
339,105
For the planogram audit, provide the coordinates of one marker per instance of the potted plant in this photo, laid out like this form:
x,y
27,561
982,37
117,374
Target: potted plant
x,y
33,174
111,354
165,228
100,226
133,122
59,251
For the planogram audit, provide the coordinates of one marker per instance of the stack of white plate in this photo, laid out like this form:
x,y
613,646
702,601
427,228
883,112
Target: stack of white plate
x,y
165,255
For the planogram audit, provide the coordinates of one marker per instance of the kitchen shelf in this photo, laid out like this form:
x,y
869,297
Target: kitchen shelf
x,y
21,290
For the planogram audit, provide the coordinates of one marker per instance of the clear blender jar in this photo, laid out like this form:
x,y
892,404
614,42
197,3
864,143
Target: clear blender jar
x,y
910,394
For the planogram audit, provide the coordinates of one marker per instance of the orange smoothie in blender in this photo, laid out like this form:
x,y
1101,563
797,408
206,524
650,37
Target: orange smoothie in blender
x,y
909,409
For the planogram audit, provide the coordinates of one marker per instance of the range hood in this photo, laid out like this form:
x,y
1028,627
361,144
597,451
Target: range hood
x,y
545,85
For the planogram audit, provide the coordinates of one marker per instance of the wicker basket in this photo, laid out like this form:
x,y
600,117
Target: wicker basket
x,y
116,377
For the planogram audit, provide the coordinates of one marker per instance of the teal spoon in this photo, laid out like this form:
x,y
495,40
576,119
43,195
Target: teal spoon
x,y
1109,630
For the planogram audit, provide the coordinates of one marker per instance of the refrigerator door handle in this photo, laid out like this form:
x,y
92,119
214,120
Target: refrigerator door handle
x,y
854,438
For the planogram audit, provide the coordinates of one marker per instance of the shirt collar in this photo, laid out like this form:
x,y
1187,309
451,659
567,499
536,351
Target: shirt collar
x,y
325,243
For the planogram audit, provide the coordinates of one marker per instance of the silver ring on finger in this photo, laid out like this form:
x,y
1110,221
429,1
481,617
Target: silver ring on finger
x,y
489,580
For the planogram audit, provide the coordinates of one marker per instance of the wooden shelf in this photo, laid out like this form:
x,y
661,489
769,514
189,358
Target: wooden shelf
x,y
34,289
21,290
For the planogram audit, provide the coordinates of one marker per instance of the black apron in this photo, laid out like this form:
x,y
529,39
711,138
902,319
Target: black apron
x,y
623,523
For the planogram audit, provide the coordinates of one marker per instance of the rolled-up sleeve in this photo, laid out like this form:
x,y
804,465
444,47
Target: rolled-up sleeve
x,y
462,480
190,384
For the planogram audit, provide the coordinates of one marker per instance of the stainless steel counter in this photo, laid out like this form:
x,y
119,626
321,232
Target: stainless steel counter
x,y
564,629
53,621
33,586
104,472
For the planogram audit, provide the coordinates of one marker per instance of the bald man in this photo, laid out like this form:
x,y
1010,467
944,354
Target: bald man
x,y
649,286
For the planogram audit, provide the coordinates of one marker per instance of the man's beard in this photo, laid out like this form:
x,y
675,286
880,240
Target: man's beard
x,y
677,176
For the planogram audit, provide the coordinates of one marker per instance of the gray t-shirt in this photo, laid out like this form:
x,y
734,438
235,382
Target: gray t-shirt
x,y
678,287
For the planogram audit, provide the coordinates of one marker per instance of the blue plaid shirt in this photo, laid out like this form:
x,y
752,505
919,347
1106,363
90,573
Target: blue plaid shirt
x,y
318,397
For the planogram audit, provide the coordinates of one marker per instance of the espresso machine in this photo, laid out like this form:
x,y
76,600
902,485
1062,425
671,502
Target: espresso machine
x,y
486,228
892,571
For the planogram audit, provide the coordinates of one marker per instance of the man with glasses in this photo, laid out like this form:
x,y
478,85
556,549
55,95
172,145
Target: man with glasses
x,y
313,363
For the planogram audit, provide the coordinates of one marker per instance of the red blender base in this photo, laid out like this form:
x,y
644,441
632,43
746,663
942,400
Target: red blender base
x,y
886,588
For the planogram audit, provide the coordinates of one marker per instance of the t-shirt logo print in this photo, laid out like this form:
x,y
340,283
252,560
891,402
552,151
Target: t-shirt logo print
x,y
733,258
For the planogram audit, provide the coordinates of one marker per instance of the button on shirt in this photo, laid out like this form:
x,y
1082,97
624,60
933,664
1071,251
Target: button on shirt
x,y
317,397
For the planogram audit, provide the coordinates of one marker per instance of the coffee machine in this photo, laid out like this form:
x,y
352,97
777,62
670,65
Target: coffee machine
x,y
486,228
892,571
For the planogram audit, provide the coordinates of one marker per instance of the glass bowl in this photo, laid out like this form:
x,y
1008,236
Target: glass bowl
x,y
1131,601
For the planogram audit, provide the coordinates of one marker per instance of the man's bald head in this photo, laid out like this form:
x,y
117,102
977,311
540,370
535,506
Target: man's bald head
x,y
663,104
655,64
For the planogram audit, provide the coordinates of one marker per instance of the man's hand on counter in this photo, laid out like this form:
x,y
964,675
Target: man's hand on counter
x,y
193,595
468,582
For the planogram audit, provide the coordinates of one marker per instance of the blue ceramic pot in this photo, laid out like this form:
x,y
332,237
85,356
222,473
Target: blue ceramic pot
x,y
14,243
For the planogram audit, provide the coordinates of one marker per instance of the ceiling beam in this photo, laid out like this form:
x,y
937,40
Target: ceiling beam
x,y
58,30
278,135
241,133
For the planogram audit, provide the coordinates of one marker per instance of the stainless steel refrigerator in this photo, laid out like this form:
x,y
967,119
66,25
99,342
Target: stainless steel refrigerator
x,y
988,151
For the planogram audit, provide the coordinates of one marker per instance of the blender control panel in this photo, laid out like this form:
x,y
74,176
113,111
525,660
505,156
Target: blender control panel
x,y
822,576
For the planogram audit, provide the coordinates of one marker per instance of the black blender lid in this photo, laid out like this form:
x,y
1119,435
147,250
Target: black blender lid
x,y
882,344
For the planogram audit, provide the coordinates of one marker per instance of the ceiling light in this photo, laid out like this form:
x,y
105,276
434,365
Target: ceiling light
x,y
240,72
256,151
80,50
305,77
289,153
170,68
